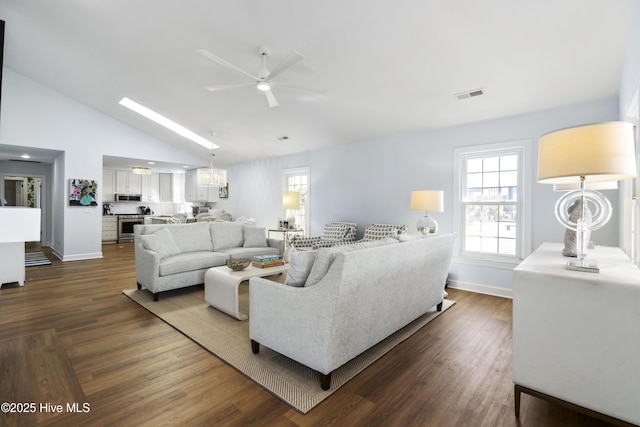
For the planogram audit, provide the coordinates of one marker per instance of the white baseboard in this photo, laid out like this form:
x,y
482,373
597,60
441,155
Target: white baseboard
x,y
78,257
481,289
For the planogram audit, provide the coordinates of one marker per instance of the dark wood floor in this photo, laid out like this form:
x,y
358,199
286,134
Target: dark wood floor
x,y
70,336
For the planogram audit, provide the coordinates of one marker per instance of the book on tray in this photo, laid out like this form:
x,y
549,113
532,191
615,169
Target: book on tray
x,y
265,258
265,261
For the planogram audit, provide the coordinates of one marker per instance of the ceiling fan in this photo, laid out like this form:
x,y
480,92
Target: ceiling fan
x,y
263,81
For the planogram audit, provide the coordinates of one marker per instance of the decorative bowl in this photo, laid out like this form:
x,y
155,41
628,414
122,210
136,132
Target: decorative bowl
x,y
238,264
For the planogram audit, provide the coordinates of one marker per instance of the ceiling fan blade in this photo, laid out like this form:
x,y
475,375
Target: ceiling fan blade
x,y
221,61
224,87
271,99
292,58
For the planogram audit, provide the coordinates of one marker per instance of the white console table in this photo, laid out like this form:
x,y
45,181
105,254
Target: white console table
x,y
17,225
576,335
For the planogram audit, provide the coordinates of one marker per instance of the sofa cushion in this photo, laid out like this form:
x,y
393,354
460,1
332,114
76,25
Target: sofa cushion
x,y
300,264
226,235
325,257
192,237
191,261
160,242
254,237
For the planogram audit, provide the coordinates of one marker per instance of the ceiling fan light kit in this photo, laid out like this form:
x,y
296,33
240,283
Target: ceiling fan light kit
x,y
263,80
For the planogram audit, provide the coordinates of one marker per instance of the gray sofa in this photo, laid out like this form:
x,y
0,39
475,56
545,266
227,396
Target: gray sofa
x,y
351,298
174,256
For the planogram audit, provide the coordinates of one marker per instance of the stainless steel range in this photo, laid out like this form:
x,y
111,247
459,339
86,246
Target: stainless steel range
x,y
125,227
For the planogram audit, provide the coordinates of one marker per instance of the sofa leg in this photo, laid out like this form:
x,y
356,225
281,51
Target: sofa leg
x,y
325,381
439,306
255,347
156,296
139,285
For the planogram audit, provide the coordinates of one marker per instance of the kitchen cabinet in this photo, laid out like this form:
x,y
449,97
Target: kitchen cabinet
x,y
195,193
165,190
127,182
145,187
108,185
158,187
109,229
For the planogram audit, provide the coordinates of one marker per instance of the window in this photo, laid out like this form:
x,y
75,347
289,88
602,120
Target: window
x,y
298,180
490,210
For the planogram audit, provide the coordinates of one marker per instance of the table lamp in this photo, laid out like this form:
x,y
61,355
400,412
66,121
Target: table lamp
x,y
291,202
582,155
427,200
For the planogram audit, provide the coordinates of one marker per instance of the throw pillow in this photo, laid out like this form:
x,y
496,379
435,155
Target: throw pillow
x,y
254,237
160,242
325,257
226,235
300,264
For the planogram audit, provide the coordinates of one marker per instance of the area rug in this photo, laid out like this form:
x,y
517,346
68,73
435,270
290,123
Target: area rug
x,y
228,339
33,259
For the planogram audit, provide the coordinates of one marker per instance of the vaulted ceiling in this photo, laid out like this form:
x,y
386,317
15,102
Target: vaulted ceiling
x,y
375,69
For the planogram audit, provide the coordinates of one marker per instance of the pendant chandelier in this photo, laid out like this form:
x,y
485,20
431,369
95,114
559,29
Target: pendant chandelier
x,y
212,177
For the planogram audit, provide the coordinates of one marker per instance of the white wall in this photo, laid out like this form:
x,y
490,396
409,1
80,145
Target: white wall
x,y
372,181
36,116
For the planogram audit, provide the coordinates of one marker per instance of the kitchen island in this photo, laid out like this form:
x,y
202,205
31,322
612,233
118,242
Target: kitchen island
x,y
17,226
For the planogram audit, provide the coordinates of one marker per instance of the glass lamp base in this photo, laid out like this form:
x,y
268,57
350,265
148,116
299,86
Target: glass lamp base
x,y
588,265
427,225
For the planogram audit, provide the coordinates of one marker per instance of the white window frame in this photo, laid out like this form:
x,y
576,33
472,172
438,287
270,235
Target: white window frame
x,y
523,203
305,202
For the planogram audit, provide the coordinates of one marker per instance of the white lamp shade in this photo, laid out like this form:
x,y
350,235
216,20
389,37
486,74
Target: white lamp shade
x,y
291,200
427,200
599,152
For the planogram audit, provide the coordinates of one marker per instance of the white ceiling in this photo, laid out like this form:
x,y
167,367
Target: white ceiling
x,y
380,68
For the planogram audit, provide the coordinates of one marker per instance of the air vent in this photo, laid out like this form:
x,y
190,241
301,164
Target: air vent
x,y
469,94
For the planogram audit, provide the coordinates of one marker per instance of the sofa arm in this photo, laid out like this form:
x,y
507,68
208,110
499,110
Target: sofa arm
x,y
295,322
276,243
147,267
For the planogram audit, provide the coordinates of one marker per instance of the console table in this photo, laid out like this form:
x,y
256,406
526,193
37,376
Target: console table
x,y
576,335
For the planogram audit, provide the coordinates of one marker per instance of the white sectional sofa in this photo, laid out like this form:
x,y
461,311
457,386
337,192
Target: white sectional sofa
x,y
174,256
353,297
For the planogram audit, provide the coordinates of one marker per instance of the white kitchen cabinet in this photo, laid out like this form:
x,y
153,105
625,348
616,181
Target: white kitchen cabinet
x,y
190,184
108,185
145,187
109,229
165,190
127,182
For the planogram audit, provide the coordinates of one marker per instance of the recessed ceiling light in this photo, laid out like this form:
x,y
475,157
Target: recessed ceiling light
x,y
185,166
25,156
169,124
151,163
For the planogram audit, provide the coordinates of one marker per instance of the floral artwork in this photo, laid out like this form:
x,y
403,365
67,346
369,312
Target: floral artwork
x,y
83,192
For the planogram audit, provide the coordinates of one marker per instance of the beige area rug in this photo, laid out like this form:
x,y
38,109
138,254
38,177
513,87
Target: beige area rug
x,y
228,338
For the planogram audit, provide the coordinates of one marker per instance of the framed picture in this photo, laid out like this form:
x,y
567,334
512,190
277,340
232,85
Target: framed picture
x,y
223,192
83,192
